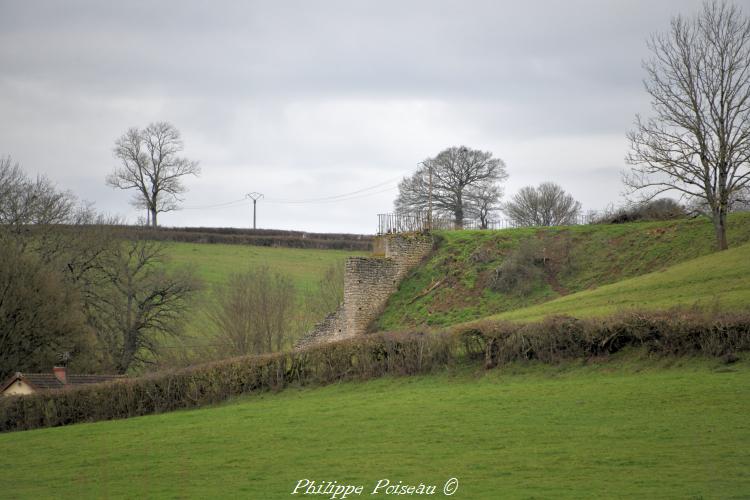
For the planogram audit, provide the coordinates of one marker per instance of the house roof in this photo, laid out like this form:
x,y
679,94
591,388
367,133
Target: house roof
x,y
48,381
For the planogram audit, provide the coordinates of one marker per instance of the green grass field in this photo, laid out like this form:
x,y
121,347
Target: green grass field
x,y
589,257
214,263
627,428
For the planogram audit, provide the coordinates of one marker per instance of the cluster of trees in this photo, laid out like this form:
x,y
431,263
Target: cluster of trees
x,y
72,286
464,184
77,287
696,143
459,182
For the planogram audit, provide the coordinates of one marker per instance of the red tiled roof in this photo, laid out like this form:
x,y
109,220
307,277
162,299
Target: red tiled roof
x,y
48,381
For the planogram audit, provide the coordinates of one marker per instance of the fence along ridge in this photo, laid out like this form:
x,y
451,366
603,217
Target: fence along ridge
x,y
414,222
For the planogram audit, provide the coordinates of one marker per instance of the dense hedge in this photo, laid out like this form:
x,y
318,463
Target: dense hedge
x,y
552,340
260,237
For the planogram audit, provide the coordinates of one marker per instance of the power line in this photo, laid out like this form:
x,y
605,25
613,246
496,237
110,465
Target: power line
x,y
350,196
343,195
228,204
324,201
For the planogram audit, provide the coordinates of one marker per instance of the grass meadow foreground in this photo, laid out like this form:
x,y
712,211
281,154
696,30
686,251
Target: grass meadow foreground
x,y
627,427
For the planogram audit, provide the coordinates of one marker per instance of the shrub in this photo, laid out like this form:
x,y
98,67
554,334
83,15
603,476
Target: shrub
x,y
521,271
661,209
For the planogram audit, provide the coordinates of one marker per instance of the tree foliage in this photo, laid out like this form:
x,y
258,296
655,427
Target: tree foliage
x,y
40,315
698,140
545,205
464,184
150,164
40,307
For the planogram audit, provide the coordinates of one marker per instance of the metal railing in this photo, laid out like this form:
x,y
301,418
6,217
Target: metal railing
x,y
414,222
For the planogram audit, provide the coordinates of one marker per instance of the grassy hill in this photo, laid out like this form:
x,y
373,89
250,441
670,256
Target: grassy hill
x,y
574,259
718,281
631,427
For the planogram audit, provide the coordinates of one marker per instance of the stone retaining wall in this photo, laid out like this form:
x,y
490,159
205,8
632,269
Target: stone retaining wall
x,y
368,283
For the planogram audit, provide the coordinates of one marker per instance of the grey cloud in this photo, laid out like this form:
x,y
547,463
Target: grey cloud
x,y
323,96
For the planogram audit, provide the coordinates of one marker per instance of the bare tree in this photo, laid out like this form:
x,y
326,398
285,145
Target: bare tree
x,y
698,141
31,209
546,205
137,303
253,312
149,163
454,171
483,201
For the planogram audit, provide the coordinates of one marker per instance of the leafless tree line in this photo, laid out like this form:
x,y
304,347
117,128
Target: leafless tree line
x,y
71,282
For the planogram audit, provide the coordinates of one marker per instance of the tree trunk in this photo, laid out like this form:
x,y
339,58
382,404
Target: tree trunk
x,y
458,213
720,227
128,352
153,218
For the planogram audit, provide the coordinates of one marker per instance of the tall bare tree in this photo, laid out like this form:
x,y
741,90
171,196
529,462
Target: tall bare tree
x,y
150,164
454,171
698,141
136,302
546,205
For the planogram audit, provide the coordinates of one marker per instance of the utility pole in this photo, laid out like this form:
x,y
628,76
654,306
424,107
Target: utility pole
x,y
255,197
429,212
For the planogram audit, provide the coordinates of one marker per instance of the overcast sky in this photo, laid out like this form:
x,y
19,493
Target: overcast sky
x,y
314,99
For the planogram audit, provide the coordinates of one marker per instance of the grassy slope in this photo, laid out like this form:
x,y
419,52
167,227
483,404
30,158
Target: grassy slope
x,y
598,255
720,280
214,263
626,428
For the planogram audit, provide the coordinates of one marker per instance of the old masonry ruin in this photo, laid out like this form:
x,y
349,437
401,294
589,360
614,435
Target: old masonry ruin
x,y
368,283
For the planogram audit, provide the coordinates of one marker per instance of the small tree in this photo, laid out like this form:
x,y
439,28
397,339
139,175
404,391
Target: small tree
x,y
483,203
546,205
698,141
149,163
455,171
253,312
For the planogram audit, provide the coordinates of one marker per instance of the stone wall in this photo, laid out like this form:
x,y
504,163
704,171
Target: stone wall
x,y
368,283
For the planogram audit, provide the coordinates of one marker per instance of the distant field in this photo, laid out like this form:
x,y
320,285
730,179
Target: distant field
x,y
214,263
629,427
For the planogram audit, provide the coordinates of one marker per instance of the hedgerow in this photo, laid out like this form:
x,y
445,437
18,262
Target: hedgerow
x,y
674,332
